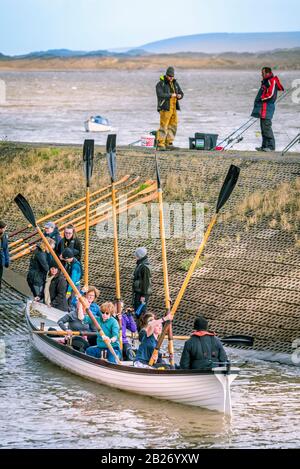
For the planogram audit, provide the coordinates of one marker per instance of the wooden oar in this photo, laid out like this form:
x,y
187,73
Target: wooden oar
x,y
66,207
29,215
225,192
168,325
95,221
88,158
111,161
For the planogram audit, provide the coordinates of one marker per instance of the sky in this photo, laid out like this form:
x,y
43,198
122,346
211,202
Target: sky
x,y
33,25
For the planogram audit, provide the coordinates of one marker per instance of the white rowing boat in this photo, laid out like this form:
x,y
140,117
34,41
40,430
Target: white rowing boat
x,y
97,124
209,389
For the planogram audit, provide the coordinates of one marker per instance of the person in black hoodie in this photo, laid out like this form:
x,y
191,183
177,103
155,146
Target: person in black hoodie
x,y
141,287
203,350
37,272
70,240
55,288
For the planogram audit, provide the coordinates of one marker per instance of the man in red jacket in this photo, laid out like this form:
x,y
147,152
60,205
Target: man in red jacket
x,y
264,107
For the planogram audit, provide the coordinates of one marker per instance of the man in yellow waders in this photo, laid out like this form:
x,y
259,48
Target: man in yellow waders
x,y
168,94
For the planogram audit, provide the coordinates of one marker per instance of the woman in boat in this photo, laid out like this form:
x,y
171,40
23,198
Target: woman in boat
x,y
128,324
110,327
143,323
55,288
149,343
74,320
91,294
203,350
70,240
38,269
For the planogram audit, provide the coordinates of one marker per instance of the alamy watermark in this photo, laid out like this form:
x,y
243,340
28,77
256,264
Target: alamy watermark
x,y
181,221
2,92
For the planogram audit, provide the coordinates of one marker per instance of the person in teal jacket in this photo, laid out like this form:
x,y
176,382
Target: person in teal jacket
x,y
74,269
110,327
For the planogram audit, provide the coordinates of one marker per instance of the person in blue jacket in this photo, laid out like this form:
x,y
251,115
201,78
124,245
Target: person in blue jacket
x,y
74,269
4,254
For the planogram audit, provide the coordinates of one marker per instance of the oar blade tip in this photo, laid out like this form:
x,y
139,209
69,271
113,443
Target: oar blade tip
x,y
25,208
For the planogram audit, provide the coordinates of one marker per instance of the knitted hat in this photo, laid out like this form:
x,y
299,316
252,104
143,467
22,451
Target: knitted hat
x,y
2,224
170,71
67,253
49,224
200,324
52,263
140,252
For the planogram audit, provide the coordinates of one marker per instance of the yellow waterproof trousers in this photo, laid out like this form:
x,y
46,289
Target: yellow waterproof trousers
x,y
168,125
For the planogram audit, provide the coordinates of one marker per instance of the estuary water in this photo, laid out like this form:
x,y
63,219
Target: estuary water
x,y
52,106
42,406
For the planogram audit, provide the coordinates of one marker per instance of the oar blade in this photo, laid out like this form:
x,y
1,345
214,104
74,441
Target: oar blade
x,y
88,159
157,173
25,208
228,186
238,340
111,155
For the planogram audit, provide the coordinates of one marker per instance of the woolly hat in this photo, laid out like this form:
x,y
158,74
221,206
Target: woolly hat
x,y
49,224
140,252
170,71
200,324
52,263
67,253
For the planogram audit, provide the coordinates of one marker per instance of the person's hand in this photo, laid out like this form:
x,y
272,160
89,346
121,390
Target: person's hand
x,y
84,289
68,332
106,339
113,340
179,96
37,299
68,294
168,317
173,95
142,299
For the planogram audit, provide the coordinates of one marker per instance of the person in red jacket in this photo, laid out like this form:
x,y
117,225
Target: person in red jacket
x,y
264,107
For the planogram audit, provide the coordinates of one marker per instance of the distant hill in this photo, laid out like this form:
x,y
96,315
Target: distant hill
x,y
67,53
225,42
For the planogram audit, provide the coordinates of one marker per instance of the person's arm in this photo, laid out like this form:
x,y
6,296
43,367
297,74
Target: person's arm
x,y
180,93
130,324
114,331
145,280
6,255
185,360
75,276
222,356
77,249
62,321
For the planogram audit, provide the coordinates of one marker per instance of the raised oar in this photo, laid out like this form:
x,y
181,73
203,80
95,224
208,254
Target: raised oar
x,y
168,325
60,210
29,215
97,220
112,168
88,158
225,192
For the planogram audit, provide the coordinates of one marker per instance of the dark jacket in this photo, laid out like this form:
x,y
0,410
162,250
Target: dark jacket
x,y
164,92
74,324
4,254
38,267
202,352
57,289
142,277
74,244
54,235
264,104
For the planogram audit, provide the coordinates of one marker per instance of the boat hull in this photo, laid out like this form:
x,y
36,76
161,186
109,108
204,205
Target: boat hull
x,y
208,389
94,127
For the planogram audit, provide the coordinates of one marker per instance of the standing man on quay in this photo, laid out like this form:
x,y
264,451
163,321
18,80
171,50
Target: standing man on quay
x,y
141,287
168,94
4,254
264,107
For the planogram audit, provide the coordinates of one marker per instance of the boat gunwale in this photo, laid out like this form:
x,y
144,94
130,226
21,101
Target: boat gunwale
x,y
123,368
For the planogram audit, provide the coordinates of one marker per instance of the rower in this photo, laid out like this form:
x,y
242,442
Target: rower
x,y
203,350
